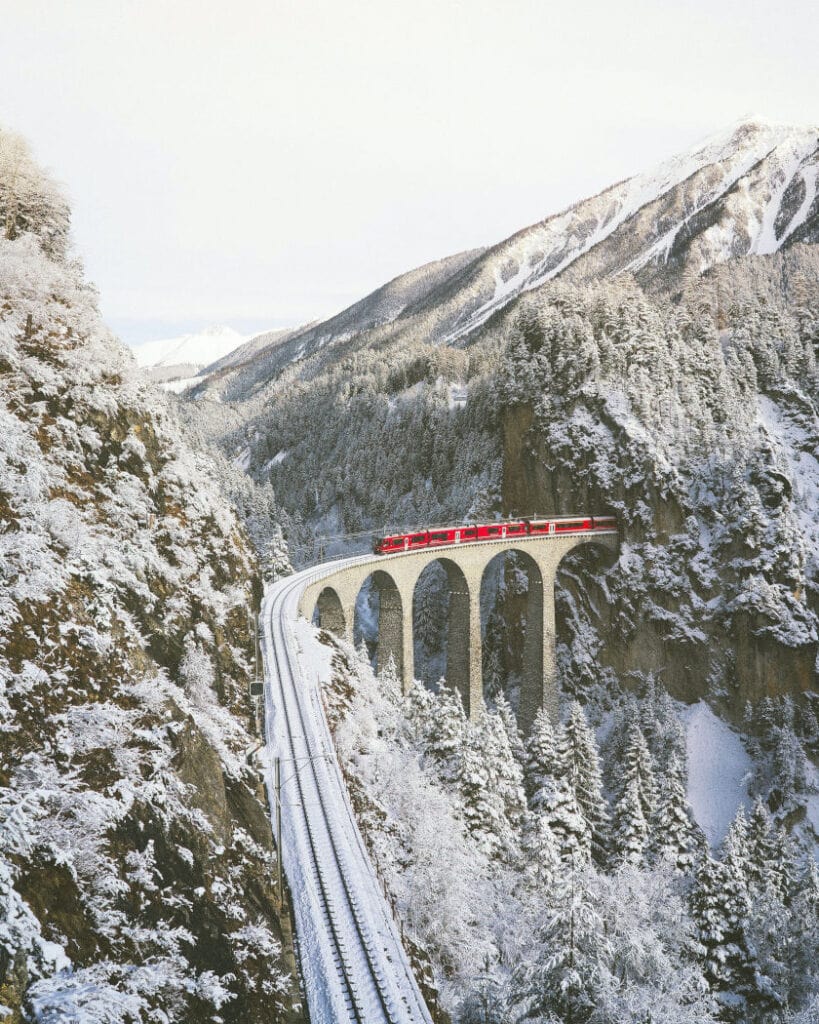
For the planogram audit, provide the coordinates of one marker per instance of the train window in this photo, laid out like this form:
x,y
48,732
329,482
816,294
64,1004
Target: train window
x,y
437,536
469,534
493,530
419,538
515,528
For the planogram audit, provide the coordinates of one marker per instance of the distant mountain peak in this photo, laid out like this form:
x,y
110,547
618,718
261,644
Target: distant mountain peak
x,y
199,348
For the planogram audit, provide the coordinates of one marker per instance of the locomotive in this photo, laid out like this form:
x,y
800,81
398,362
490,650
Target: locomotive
x,y
449,535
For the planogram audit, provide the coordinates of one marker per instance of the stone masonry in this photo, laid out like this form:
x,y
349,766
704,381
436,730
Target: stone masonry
x,y
396,576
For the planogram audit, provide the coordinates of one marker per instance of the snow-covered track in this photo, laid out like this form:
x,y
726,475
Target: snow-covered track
x,y
354,966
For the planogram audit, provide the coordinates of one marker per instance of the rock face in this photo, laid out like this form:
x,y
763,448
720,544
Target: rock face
x,y
136,860
703,443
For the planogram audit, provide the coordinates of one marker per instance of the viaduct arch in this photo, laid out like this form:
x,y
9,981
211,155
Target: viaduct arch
x,y
334,596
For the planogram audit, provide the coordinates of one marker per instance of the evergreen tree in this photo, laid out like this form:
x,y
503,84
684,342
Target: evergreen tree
x,y
505,773
631,833
736,851
539,851
720,941
761,849
388,679
569,825
479,782
446,731
542,767
419,710
563,983
676,836
804,933
737,970
786,864
638,767
516,744
274,559
550,792
581,762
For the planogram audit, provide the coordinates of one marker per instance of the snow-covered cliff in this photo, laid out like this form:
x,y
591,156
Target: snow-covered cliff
x,y
135,856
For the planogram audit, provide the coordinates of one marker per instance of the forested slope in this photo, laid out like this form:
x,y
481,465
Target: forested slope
x,y
696,422
563,878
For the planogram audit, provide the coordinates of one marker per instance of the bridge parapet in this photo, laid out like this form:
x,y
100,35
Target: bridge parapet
x,y
396,576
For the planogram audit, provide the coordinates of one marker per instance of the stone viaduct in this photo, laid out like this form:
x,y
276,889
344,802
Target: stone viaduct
x,y
395,577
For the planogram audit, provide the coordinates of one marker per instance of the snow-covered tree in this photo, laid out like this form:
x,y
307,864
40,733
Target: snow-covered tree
x,y
445,731
540,856
563,982
550,792
630,833
638,767
274,558
507,716
579,757
490,782
676,837
30,200
542,767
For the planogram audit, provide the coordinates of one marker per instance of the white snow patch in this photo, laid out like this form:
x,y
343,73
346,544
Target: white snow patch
x,y
457,396
719,769
794,444
242,460
180,384
812,811
277,459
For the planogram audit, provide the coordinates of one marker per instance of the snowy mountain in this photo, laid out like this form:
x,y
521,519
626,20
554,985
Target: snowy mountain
x,y
170,359
378,312
651,352
751,190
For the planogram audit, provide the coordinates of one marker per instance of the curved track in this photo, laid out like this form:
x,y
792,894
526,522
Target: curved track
x,y
353,964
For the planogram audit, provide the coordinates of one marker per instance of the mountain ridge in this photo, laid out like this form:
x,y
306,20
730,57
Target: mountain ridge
x,y
751,189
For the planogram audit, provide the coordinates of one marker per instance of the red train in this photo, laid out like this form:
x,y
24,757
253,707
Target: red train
x,y
449,535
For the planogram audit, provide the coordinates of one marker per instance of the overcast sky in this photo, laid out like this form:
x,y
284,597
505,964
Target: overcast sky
x,y
262,163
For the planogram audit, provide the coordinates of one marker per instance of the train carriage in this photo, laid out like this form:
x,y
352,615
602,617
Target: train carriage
x,y
447,536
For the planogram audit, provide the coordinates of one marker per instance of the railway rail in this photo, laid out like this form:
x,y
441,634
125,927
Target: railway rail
x,y
353,964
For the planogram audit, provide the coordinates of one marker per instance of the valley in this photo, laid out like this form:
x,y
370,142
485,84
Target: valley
x,y
584,792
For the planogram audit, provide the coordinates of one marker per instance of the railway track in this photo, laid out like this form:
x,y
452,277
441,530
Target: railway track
x,y
353,964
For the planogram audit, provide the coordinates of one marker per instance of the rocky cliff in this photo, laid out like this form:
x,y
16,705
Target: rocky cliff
x,y
702,438
136,862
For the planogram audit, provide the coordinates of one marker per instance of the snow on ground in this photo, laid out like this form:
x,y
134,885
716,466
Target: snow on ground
x,y
180,384
795,445
242,460
199,349
278,458
812,806
718,770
